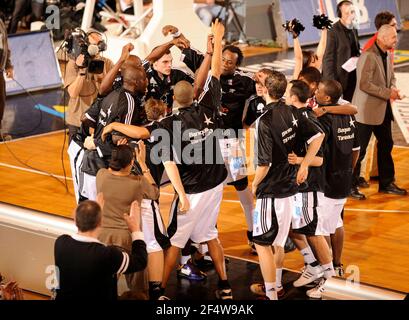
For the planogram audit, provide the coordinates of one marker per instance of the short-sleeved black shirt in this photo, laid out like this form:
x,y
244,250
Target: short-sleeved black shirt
x,y
278,132
192,141
162,89
340,141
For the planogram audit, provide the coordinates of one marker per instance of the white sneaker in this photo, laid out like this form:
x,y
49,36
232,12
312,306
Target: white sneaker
x,y
316,293
309,275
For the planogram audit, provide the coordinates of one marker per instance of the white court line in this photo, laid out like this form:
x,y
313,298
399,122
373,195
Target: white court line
x,y
171,194
30,137
32,171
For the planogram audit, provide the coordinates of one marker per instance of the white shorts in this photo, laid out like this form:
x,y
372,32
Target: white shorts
x,y
76,154
85,185
234,156
154,230
272,220
332,209
308,217
199,223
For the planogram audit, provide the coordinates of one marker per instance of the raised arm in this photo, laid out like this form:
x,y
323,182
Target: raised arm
x,y
159,51
298,57
322,45
106,84
218,32
203,70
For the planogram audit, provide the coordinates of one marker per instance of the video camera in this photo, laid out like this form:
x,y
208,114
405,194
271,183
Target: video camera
x,y
76,43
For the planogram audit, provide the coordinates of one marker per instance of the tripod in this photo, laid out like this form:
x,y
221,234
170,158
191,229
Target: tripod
x,y
227,5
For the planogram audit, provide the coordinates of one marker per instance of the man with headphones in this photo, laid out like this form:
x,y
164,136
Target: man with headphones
x,y
342,45
83,85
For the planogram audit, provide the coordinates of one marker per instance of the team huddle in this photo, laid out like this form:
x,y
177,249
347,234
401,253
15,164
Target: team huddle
x,y
154,125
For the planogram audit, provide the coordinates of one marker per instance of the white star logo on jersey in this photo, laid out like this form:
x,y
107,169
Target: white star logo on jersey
x,y
208,120
109,110
295,122
352,122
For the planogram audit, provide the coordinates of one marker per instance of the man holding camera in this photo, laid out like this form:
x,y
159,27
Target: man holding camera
x,y
81,83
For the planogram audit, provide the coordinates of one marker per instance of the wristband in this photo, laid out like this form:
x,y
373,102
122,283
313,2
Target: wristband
x,y
146,171
177,34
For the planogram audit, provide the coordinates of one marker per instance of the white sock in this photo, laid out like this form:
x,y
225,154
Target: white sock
x,y
279,273
329,271
271,292
247,204
203,249
184,259
308,255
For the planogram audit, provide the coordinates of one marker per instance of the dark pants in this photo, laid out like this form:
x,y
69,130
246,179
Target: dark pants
x,y
350,87
20,9
383,134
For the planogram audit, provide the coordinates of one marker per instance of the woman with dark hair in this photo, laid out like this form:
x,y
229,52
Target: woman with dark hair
x,y
119,189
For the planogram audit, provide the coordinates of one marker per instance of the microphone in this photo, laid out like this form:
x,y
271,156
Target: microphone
x,y
93,50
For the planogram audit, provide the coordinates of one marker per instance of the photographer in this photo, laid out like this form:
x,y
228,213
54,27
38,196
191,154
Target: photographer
x,y
82,82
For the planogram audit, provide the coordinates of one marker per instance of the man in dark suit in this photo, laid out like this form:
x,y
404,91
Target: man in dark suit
x,y
376,87
342,44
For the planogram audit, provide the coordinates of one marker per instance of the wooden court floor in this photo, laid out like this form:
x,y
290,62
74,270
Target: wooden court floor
x,y
376,230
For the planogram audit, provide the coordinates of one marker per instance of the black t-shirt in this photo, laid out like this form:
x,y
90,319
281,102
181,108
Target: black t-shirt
x,y
192,58
236,89
340,140
88,270
255,107
154,164
278,132
162,89
118,106
315,179
192,141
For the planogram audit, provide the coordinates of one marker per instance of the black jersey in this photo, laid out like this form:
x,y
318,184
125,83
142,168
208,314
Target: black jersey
x,y
254,108
194,146
340,141
118,106
315,179
192,58
277,132
236,89
162,89
156,167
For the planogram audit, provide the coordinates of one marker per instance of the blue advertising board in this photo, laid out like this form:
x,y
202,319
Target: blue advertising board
x,y
304,10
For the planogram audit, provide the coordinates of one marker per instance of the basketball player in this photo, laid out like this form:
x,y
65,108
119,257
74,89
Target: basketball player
x,y
275,182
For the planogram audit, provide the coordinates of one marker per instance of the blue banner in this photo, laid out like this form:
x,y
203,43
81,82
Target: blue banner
x,y
304,11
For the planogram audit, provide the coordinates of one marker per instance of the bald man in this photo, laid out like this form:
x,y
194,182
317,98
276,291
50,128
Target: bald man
x,y
89,154
376,87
